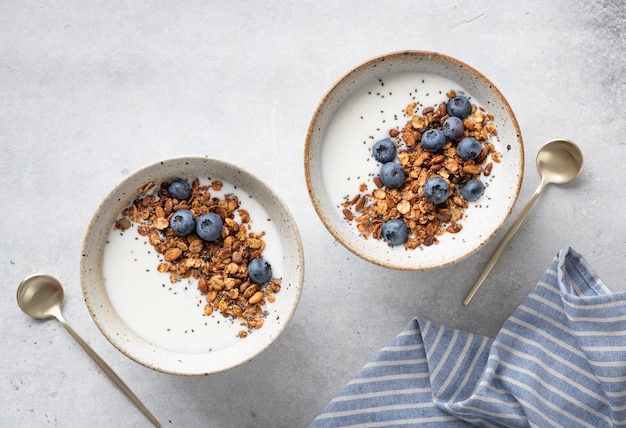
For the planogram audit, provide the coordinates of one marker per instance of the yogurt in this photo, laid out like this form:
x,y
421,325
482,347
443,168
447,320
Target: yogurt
x,y
170,315
366,117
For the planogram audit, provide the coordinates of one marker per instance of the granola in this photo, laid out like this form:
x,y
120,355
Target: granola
x,y
220,266
372,206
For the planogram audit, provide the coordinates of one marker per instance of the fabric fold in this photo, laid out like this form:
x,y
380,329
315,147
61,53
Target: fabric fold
x,y
559,360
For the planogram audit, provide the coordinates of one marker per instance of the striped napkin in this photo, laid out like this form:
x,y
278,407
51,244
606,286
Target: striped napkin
x,y
559,360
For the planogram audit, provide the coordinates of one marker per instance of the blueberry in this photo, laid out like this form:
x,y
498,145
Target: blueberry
x,y
182,222
179,189
468,148
433,140
472,190
395,232
436,190
453,128
384,150
209,226
259,270
459,106
392,175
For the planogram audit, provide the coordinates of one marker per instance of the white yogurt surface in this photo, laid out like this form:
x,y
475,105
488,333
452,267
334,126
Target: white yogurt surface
x,y
169,315
365,118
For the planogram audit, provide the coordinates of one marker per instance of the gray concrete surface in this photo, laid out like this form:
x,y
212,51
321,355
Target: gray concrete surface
x,y
91,91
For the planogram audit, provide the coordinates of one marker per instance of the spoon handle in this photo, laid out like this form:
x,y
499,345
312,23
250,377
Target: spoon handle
x,y
502,245
110,373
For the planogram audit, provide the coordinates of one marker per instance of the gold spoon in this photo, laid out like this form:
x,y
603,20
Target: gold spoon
x,y
41,296
558,162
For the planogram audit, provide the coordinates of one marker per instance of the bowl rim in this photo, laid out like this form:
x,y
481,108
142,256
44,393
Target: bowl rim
x,y
369,63
298,281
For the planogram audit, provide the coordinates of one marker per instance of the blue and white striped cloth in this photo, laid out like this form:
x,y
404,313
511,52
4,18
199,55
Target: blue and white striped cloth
x,y
559,360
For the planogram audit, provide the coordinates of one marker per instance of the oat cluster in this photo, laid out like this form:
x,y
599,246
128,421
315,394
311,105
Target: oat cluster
x,y
369,208
221,266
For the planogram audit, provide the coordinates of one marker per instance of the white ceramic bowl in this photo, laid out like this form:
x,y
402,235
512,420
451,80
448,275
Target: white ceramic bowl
x,y
156,339
361,107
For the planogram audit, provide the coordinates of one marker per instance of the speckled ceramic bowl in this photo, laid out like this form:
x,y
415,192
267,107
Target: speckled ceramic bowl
x,y
161,324
361,108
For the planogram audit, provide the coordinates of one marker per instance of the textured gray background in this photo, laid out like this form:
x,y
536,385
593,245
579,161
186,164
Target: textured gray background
x,y
91,91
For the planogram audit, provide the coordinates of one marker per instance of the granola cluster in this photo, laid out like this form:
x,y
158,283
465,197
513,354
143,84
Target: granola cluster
x,y
369,208
221,266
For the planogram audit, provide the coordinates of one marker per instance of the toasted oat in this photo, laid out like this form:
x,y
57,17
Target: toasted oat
x,y
221,266
426,221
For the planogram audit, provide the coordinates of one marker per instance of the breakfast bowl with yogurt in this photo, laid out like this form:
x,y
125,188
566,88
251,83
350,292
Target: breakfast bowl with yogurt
x,y
413,160
192,266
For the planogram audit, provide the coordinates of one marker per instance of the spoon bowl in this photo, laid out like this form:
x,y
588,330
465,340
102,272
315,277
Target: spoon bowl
x,y
41,296
558,162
